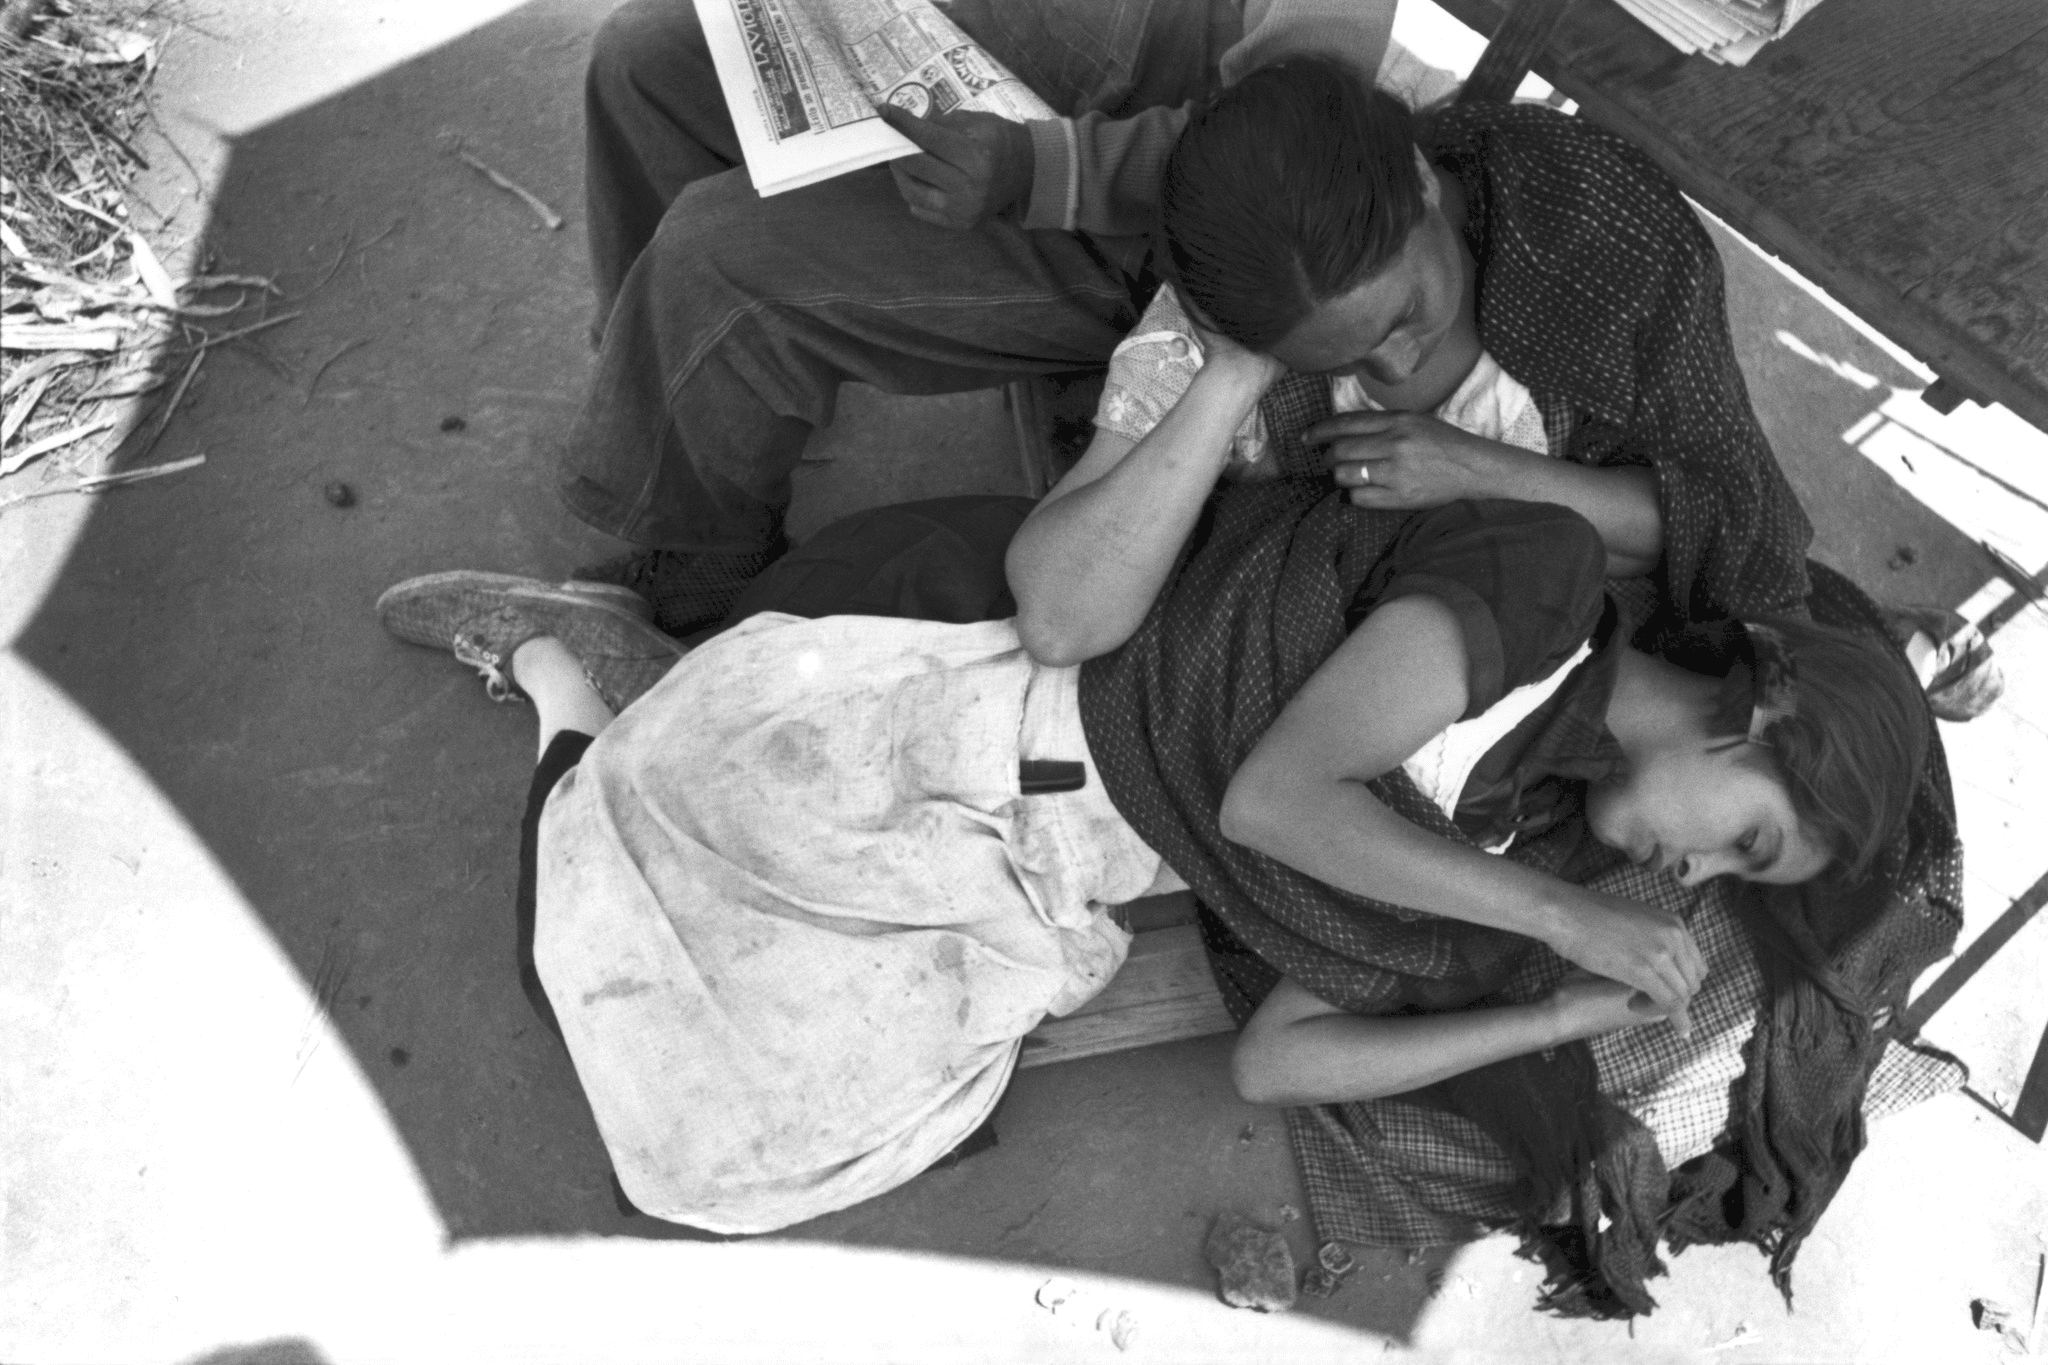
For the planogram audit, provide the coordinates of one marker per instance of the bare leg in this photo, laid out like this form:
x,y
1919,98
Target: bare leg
x,y
548,673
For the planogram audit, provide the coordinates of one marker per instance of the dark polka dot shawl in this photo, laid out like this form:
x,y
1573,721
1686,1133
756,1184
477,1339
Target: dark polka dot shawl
x,y
1599,289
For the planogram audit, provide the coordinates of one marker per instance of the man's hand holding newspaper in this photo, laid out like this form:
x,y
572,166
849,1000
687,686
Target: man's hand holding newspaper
x,y
804,79
972,165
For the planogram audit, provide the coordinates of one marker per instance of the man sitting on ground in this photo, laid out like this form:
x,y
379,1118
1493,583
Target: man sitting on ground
x,y
728,321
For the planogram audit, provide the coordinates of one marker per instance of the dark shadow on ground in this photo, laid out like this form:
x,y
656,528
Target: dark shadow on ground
x,y
361,792
366,799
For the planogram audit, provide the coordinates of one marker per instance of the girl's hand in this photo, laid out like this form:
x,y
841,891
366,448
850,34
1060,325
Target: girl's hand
x,y
1584,1005
1643,946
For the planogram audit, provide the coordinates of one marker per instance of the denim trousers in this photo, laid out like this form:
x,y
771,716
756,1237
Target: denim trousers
x,y
728,321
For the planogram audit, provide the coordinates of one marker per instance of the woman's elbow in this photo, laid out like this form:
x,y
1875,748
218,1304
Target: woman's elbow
x,y
1252,1071
1053,642
1054,632
1246,816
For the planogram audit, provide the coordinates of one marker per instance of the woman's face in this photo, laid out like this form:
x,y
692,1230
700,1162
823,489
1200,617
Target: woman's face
x,y
1697,811
1386,329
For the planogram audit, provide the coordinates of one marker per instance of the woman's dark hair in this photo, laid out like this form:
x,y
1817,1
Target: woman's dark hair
x,y
1851,750
1290,188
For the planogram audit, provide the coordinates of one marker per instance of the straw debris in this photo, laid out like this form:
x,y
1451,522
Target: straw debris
x,y
88,309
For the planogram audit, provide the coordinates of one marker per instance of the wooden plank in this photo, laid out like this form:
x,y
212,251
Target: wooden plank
x,y
1157,912
1095,1035
1922,194
1834,78
1163,965
1163,994
1998,296
1742,142
1984,61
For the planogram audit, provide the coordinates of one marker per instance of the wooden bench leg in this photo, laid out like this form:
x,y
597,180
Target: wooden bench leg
x,y
1512,51
2030,1111
1945,395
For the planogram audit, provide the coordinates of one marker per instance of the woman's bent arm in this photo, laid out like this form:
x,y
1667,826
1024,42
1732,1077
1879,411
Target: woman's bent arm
x,y
1087,564
1300,797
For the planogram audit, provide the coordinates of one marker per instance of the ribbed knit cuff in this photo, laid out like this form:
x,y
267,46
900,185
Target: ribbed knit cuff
x,y
1055,175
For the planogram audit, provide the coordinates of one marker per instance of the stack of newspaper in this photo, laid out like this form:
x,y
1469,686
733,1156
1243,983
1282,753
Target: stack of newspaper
x,y
1729,31
803,79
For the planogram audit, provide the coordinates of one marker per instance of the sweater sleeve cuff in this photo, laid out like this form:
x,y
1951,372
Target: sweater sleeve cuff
x,y
1055,175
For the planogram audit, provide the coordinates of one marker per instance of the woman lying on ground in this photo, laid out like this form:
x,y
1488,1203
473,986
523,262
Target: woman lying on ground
x,y
798,905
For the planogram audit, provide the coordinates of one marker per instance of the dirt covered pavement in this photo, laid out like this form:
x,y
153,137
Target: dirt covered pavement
x,y
276,1092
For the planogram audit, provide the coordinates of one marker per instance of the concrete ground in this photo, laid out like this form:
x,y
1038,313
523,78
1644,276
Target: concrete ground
x,y
273,1093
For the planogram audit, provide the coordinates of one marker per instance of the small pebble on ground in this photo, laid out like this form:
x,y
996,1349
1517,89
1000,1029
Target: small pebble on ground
x,y
1254,1263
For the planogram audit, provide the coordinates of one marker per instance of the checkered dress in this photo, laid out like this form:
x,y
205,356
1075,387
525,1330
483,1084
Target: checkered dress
x,y
1400,1173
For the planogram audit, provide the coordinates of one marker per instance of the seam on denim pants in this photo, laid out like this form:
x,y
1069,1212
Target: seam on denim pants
x,y
690,364
1072,214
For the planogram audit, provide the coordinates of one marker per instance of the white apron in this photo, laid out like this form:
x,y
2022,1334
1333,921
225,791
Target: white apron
x,y
795,918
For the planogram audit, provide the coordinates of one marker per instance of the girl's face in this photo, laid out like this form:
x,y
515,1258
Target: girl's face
x,y
1697,811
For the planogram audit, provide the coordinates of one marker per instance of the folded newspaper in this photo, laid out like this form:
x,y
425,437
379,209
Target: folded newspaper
x,y
1729,31
803,79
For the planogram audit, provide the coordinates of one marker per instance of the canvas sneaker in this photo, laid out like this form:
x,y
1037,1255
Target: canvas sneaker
x,y
482,618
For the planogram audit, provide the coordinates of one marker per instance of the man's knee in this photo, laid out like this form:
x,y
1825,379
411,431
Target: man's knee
x,y
718,236
720,239
646,43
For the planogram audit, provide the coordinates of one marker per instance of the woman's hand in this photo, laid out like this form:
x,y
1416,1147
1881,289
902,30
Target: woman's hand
x,y
1408,460
1584,1005
1258,370
1641,946
1218,349
1261,371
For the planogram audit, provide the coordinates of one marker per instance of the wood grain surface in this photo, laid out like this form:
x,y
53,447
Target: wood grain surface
x,y
1164,993
1893,151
